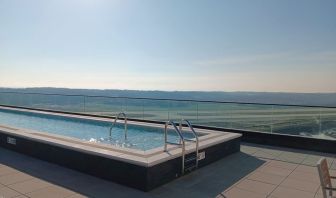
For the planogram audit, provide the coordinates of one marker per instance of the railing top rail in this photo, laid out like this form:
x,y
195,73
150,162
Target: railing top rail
x,y
170,99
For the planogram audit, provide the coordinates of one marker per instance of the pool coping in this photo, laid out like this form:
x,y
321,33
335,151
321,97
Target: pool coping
x,y
147,158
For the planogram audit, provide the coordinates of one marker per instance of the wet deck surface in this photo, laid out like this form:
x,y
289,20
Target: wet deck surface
x,y
256,171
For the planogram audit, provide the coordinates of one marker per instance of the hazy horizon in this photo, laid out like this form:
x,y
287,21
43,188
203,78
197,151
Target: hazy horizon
x,y
230,46
157,90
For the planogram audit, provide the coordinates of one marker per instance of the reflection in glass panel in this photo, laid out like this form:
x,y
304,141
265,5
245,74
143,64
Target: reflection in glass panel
x,y
328,123
157,110
42,101
303,121
183,110
104,106
57,102
251,117
213,114
135,108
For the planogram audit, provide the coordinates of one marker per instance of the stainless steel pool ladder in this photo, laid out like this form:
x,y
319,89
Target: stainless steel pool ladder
x,y
192,158
182,144
117,117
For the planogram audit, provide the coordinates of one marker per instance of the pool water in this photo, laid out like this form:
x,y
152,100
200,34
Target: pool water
x,y
138,137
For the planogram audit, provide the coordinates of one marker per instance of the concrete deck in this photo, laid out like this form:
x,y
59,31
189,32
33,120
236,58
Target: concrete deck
x,y
256,171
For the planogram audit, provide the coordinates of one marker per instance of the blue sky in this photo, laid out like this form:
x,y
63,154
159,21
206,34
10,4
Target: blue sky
x,y
242,45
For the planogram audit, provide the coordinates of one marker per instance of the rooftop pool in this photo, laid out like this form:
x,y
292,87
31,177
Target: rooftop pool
x,y
139,137
144,160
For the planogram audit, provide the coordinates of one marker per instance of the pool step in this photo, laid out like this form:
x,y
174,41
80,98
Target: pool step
x,y
189,169
190,163
192,159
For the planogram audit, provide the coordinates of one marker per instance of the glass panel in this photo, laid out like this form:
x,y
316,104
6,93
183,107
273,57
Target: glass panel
x,y
57,102
328,123
8,99
251,117
135,108
183,110
51,102
214,114
303,121
104,106
157,110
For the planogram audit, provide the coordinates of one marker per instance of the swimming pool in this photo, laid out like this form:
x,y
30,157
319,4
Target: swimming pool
x,y
82,142
139,137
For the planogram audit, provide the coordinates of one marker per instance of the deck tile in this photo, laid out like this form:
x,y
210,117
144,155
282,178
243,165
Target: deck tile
x,y
266,177
291,157
304,176
275,171
14,178
307,169
29,186
282,192
256,186
239,193
6,192
281,164
51,192
300,185
267,153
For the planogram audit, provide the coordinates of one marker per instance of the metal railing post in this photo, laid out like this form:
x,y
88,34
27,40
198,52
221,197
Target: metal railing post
x,y
165,136
272,118
84,104
197,111
143,109
320,122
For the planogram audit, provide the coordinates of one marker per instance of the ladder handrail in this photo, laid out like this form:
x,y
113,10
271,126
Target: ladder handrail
x,y
182,142
115,120
194,133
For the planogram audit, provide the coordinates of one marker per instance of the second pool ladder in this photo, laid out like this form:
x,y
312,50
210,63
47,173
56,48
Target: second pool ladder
x,y
117,117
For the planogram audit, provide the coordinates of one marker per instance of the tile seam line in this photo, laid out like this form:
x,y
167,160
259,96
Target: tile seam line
x,y
301,189
279,160
245,177
258,193
7,185
273,156
251,152
14,191
25,194
242,179
72,193
10,173
284,179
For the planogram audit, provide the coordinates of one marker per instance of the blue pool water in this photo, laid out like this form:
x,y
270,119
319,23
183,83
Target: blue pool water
x,y
139,137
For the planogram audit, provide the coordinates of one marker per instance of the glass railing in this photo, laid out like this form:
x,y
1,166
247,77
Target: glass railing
x,y
309,121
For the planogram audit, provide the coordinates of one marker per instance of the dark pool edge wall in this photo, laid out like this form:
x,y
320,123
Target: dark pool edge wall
x,y
272,139
173,169
135,176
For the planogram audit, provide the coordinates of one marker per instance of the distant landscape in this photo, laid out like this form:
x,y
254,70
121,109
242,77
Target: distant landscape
x,y
324,99
318,122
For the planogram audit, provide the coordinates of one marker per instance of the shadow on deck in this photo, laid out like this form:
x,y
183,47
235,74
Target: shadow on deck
x,y
208,181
